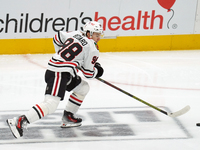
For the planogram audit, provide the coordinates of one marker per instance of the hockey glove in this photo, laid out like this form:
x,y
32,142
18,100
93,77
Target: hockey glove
x,y
99,68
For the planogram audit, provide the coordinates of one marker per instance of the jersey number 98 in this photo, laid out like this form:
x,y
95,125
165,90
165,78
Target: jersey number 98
x,y
70,50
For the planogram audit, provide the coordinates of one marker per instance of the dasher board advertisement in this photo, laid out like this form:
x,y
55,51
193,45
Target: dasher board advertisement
x,y
41,19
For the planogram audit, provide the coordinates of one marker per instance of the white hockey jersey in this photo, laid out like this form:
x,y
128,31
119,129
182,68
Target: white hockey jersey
x,y
74,50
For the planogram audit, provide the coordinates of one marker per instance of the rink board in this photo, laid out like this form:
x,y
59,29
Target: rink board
x,y
113,44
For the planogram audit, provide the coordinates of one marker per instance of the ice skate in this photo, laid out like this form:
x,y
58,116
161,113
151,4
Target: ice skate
x,y
16,125
68,120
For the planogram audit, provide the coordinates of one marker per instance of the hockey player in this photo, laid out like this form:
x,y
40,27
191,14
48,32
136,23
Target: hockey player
x,y
73,50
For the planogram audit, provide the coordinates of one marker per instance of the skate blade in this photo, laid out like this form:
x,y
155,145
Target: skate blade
x,y
13,128
65,125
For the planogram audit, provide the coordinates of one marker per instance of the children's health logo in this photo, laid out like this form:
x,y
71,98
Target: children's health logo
x,y
167,4
143,20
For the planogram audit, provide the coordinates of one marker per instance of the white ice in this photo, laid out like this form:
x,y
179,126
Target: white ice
x,y
166,79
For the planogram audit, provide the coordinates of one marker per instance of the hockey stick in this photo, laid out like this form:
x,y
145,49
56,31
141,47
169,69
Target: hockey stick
x,y
175,114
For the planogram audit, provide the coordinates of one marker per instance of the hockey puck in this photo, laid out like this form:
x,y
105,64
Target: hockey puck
x,y
198,124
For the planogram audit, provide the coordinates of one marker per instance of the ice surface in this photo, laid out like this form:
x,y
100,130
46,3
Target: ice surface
x,y
169,80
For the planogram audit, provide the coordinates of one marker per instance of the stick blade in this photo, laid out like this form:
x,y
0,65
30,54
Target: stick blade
x,y
180,112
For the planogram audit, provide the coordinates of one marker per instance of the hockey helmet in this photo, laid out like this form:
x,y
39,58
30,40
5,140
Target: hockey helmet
x,y
93,26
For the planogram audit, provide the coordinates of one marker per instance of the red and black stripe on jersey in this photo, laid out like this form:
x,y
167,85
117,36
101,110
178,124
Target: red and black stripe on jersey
x,y
61,64
87,73
57,39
